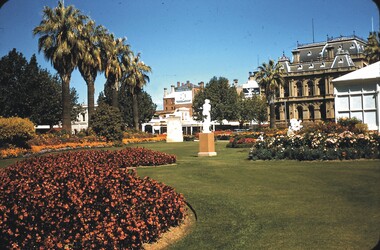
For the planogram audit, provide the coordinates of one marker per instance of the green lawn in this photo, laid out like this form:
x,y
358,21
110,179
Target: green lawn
x,y
243,204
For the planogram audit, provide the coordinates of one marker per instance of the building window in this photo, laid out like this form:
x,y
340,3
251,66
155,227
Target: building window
x,y
299,88
311,66
300,112
340,60
286,90
311,113
322,64
299,67
309,53
310,88
321,85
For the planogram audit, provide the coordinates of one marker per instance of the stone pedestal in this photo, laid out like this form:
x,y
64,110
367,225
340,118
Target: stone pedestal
x,y
174,131
206,144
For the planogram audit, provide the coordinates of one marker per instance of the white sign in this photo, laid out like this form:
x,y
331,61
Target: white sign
x,y
183,97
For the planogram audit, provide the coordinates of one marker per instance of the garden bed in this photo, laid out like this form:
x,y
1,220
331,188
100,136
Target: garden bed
x,y
85,200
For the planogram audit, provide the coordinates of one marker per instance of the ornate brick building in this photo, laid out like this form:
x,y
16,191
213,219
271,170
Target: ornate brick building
x,y
308,92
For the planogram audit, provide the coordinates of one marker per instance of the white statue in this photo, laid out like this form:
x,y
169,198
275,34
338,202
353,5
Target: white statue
x,y
295,125
206,116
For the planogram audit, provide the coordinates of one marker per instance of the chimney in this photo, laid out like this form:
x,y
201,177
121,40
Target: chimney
x,y
182,84
172,89
178,84
165,92
202,85
188,83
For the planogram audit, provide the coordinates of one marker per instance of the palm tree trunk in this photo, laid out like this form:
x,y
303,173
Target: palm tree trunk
x,y
272,115
135,110
66,104
115,99
90,101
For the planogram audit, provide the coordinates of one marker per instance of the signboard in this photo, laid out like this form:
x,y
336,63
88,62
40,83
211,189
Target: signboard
x,y
183,97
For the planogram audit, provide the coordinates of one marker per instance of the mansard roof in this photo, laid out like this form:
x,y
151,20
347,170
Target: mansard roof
x,y
317,51
331,54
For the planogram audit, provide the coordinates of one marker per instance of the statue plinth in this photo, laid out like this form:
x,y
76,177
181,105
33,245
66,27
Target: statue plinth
x,y
206,144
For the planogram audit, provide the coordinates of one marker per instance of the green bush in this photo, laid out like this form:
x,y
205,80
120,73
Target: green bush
x,y
349,123
15,131
108,122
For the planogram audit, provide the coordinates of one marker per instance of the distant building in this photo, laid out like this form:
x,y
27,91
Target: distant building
x,y
357,94
176,102
308,92
251,88
81,122
180,96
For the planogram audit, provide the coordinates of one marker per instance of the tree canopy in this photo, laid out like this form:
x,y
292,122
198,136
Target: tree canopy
x,y
270,78
146,106
223,99
372,49
39,94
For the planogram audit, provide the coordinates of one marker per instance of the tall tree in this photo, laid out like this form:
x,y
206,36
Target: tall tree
x,y
372,49
12,77
270,78
90,62
115,56
223,99
146,106
251,109
39,94
135,79
60,32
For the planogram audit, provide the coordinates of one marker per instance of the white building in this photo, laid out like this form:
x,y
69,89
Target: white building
x,y
81,123
251,88
357,94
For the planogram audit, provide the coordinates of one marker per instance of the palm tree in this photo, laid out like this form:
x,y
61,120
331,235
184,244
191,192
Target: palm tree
x,y
372,49
135,80
270,78
114,53
90,62
59,32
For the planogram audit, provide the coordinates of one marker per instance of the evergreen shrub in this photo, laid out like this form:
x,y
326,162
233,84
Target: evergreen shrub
x,y
107,121
15,131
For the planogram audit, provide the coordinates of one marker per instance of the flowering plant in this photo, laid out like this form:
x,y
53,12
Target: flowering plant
x,y
85,200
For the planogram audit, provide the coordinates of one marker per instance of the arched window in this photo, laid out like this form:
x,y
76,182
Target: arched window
x,y
300,112
299,88
310,88
322,109
286,90
311,113
321,86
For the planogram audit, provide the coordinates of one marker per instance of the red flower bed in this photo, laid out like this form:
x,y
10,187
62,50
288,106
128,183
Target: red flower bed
x,y
84,200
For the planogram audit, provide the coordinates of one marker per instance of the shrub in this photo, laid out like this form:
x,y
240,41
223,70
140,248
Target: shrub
x,y
349,123
318,146
84,200
108,122
15,131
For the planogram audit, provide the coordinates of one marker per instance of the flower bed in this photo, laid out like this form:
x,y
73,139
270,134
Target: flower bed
x,y
158,138
85,200
317,146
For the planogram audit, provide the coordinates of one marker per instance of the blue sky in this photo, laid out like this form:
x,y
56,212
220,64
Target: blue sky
x,y
185,40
